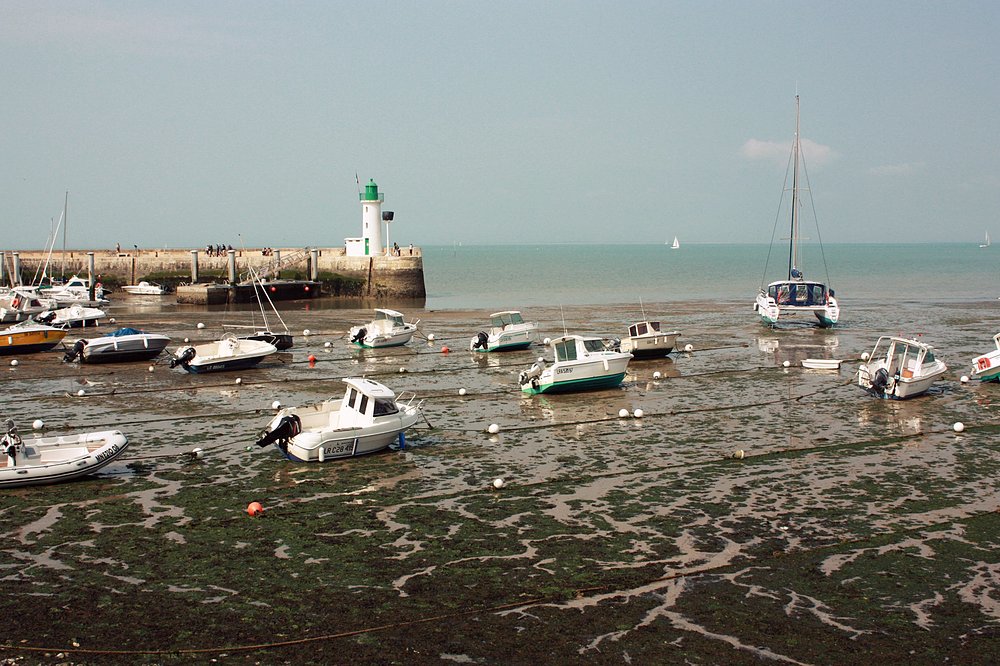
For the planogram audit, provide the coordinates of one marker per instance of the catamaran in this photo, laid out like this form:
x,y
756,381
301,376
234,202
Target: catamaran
x,y
794,294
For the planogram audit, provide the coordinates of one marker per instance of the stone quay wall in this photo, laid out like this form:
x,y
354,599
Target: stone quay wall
x,y
384,276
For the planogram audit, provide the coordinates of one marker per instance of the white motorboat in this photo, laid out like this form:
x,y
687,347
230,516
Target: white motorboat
x,y
368,418
75,291
986,368
900,368
22,303
387,330
74,316
581,364
508,332
125,344
229,353
794,295
280,339
646,340
144,289
53,459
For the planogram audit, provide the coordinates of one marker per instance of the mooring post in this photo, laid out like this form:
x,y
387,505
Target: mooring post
x,y
15,279
314,264
194,266
90,275
277,264
232,266
3,266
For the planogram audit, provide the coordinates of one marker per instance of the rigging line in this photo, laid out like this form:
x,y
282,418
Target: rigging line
x,y
819,236
777,216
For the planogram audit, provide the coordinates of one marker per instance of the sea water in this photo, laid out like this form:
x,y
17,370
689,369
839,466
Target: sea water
x,y
515,276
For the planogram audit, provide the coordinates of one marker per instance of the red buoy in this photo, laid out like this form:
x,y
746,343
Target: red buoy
x,y
445,350
255,509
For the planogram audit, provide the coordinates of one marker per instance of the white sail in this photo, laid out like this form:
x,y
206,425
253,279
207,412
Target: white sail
x,y
676,244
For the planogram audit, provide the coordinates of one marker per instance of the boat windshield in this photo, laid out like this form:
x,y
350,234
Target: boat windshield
x,y
385,406
798,293
565,350
595,345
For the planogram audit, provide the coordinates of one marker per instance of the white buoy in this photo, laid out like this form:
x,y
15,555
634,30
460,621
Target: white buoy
x,y
864,356
201,325
38,424
738,454
498,483
786,364
657,375
689,347
13,363
198,452
326,344
151,368
638,413
81,392
186,340
306,333
430,337
239,380
493,429
964,379
622,413
112,320
462,391
546,341
402,370
959,426
276,404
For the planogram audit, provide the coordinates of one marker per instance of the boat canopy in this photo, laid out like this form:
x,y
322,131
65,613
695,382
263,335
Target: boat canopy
x,y
568,347
798,292
643,327
905,357
123,331
369,399
391,315
501,319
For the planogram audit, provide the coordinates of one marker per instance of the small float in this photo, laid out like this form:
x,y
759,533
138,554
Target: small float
x,y
508,332
125,344
900,368
368,418
821,363
53,459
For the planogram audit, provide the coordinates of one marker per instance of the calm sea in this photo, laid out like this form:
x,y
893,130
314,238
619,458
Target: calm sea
x,y
515,276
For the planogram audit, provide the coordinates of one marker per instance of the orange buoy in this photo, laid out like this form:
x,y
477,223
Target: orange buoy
x,y
445,350
255,508
312,361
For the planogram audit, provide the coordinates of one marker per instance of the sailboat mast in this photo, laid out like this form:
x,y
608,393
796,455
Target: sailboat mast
x,y
793,243
65,218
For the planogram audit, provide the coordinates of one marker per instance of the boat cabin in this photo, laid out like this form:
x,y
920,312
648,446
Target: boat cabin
x,y
903,357
643,328
364,401
571,347
798,293
391,316
502,320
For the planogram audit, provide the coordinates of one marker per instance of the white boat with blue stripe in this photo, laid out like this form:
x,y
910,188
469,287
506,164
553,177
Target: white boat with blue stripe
x,y
581,364
508,332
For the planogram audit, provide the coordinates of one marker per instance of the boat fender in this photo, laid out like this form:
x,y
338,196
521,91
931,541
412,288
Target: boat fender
x,y
183,357
480,341
16,302
360,335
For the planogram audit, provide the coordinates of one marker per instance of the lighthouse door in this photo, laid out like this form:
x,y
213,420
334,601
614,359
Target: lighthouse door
x,y
366,247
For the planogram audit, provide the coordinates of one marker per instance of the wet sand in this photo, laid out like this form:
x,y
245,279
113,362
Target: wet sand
x,y
852,529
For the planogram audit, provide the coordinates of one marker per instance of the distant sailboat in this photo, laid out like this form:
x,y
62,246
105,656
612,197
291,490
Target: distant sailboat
x,y
987,243
676,244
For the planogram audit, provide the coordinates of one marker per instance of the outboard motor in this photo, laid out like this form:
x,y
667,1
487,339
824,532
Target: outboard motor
x,y
614,344
45,317
360,335
480,341
879,383
289,426
76,352
183,357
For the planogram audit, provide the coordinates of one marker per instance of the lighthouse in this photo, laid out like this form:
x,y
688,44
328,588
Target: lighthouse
x,y
370,243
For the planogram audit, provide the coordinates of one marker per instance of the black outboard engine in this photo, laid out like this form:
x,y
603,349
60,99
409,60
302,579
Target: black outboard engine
x,y
481,340
183,357
879,383
288,427
360,335
75,352
45,317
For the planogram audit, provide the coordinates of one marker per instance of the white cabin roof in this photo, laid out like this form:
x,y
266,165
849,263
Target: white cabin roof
x,y
369,387
497,314
391,313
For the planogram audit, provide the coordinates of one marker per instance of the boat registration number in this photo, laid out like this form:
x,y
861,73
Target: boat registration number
x,y
344,448
563,371
104,455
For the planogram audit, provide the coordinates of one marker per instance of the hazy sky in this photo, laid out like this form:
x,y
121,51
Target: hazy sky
x,y
176,124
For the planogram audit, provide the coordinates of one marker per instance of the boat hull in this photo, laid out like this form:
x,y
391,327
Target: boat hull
x,y
223,366
124,348
650,346
986,368
576,376
29,341
902,388
281,341
323,444
770,312
56,459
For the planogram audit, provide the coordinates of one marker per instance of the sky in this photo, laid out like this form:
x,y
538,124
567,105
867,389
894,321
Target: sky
x,y
178,124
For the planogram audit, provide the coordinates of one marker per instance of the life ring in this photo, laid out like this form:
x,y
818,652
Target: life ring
x,y
16,303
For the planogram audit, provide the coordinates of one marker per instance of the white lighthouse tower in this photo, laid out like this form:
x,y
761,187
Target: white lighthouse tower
x,y
370,243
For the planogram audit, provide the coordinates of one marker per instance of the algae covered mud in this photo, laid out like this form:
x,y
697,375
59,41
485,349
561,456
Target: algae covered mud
x,y
850,529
